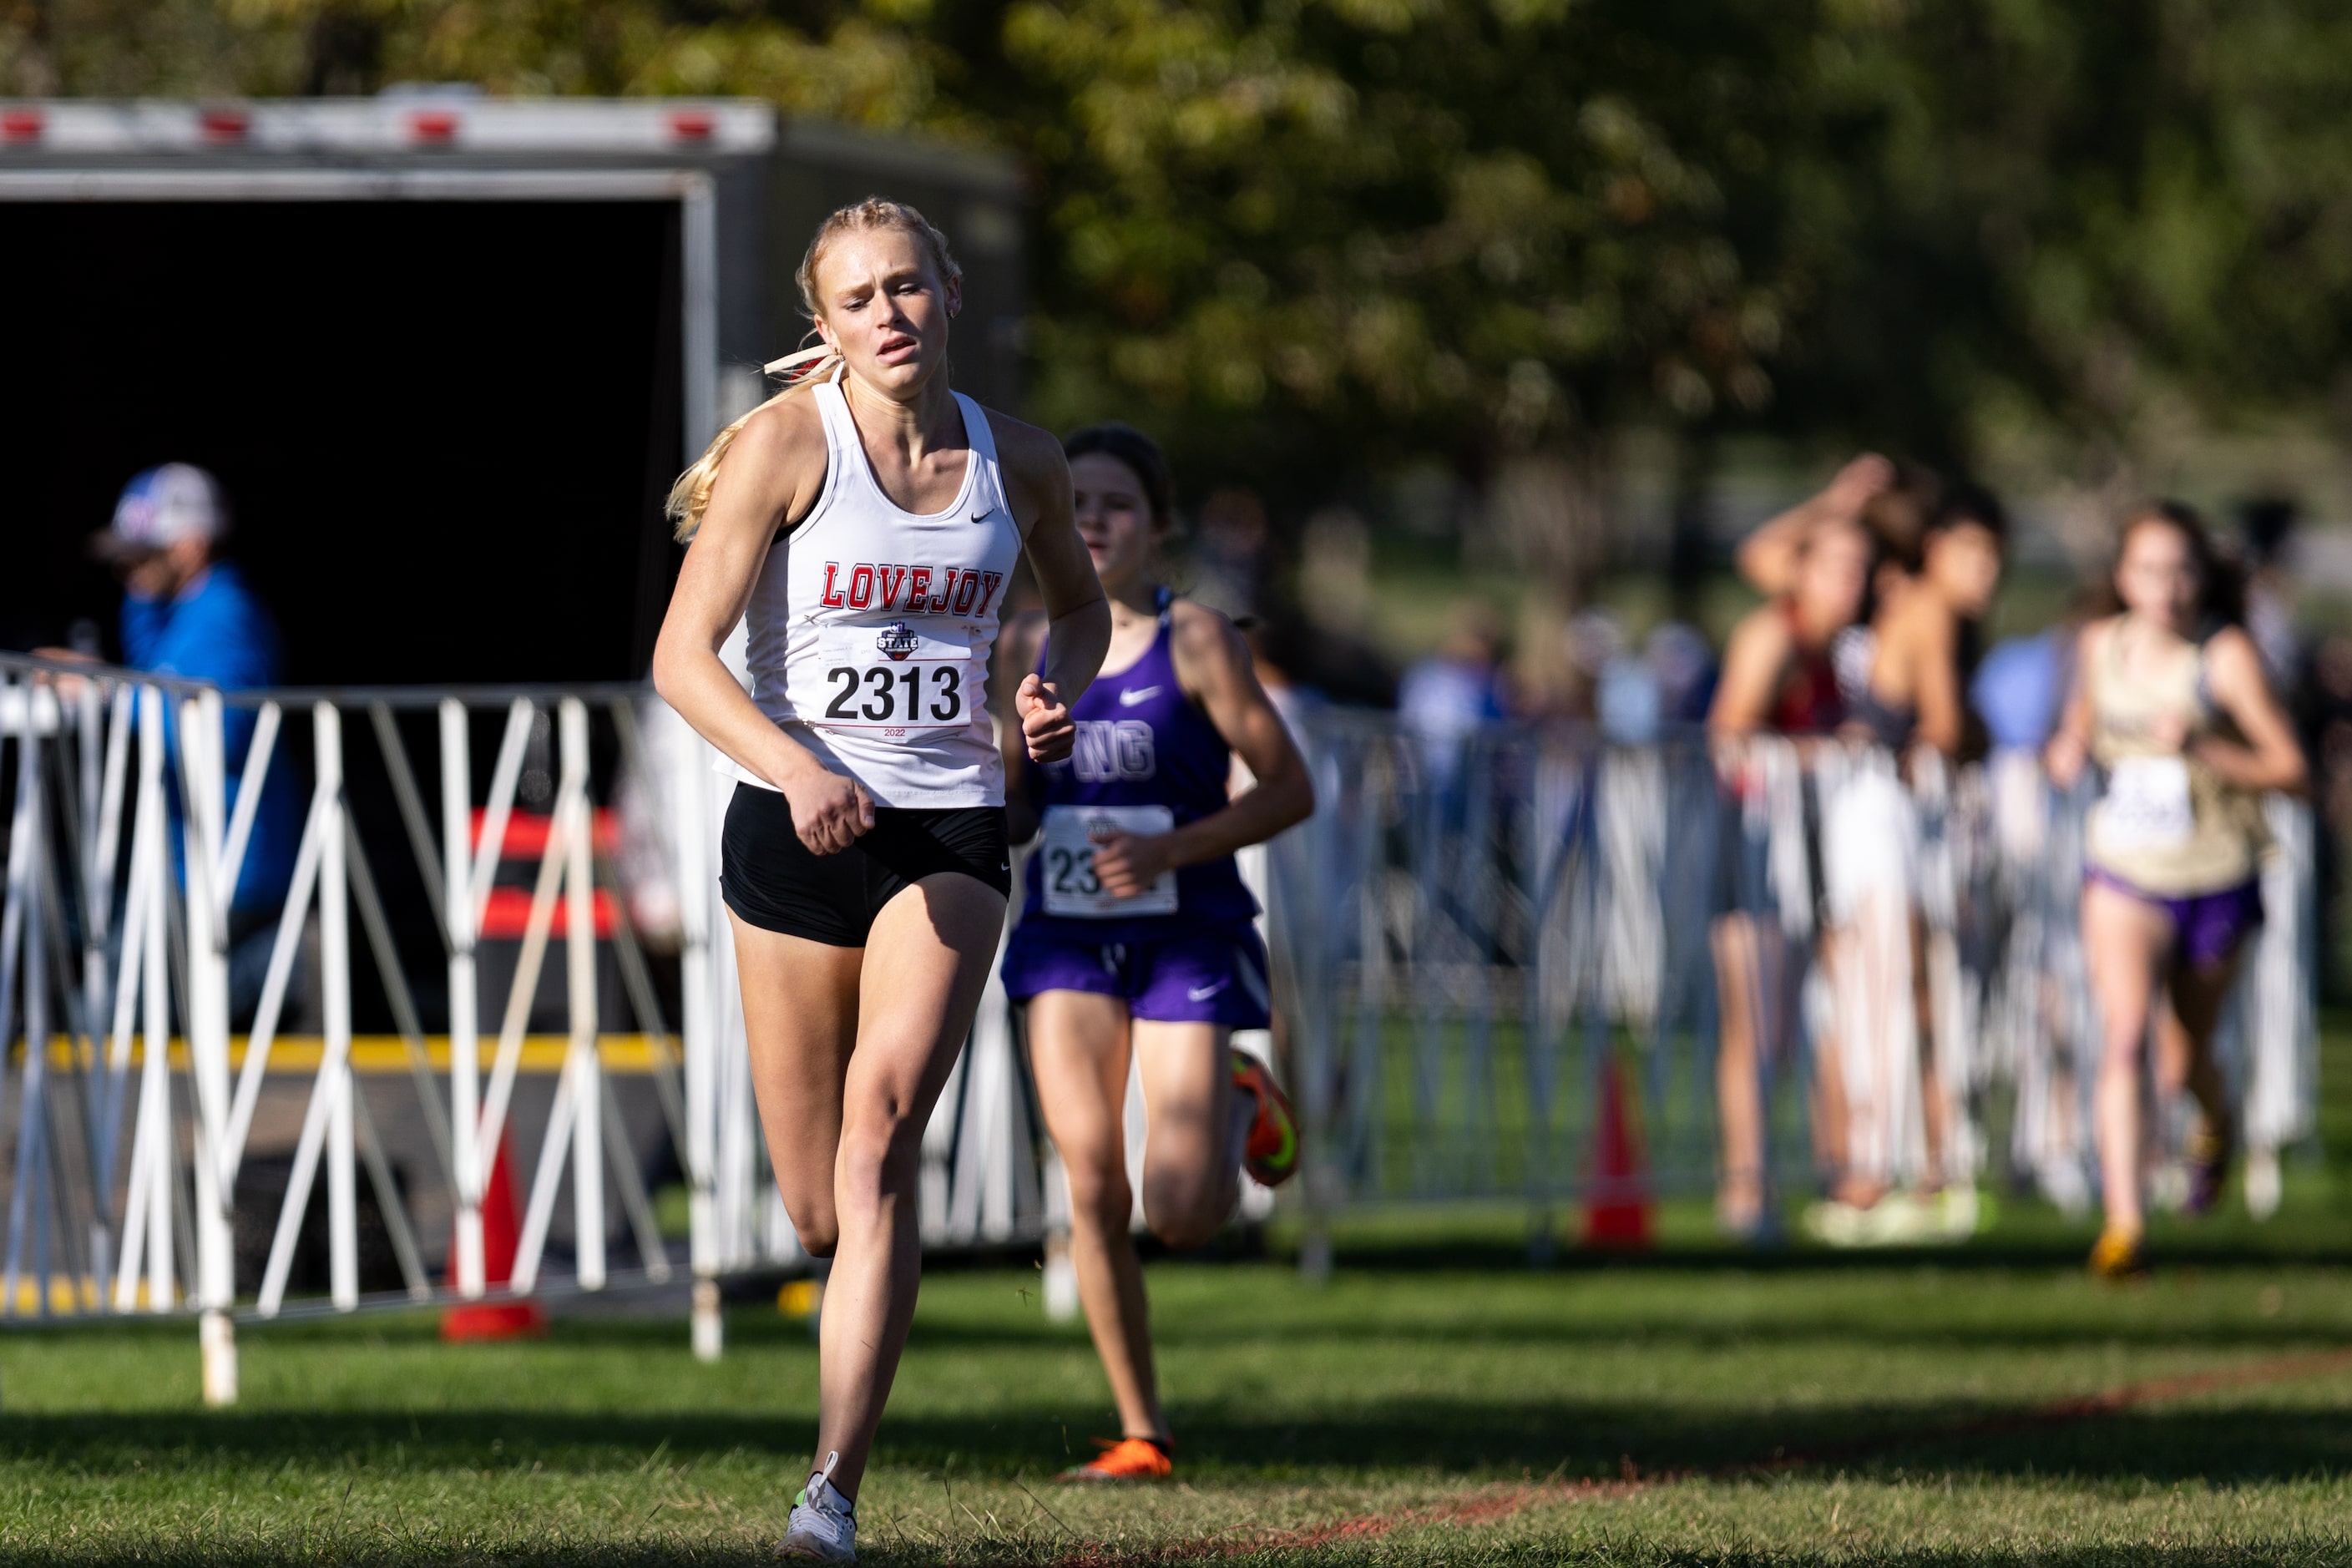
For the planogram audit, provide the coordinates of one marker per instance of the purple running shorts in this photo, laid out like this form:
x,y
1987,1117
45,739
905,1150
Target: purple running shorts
x,y
1213,976
2206,927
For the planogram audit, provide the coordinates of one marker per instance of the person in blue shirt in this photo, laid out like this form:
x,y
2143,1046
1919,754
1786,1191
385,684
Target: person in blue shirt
x,y
188,613
2020,687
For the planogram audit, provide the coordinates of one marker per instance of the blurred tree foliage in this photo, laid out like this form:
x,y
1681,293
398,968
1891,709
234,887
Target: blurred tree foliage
x,y
2069,234
1291,233
1473,230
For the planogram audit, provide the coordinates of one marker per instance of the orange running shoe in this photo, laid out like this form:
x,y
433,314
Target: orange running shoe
x,y
1271,1152
1129,1460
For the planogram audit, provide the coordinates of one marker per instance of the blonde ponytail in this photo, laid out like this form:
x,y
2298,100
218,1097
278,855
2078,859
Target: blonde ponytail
x,y
691,494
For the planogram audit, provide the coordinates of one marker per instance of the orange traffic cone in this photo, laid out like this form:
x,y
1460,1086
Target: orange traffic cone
x,y
1620,1213
494,1320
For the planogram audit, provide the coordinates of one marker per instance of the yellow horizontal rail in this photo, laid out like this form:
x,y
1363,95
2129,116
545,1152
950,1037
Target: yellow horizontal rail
x,y
296,1054
68,1296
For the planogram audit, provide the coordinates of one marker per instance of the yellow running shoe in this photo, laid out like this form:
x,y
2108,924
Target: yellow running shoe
x,y
1129,1460
2119,1256
1271,1152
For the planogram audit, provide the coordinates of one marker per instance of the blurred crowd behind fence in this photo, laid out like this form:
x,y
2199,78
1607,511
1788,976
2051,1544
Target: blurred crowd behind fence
x,y
1483,936
1493,976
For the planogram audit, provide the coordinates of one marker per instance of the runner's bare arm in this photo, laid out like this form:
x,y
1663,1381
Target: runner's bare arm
x,y
2271,757
772,476
1079,635
1213,665
1016,655
1753,665
1932,639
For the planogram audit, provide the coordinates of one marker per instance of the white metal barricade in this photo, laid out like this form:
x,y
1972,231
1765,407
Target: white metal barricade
x,y
1483,933
129,835
1476,942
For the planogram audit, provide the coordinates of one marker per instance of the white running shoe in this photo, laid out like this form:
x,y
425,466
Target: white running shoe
x,y
824,1527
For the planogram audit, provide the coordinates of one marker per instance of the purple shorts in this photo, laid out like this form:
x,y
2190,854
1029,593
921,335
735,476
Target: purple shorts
x,y
2206,927
1214,976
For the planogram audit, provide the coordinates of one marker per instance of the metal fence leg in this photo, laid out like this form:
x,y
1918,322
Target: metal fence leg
x,y
202,765
335,976
23,975
691,787
464,1036
580,953
154,1126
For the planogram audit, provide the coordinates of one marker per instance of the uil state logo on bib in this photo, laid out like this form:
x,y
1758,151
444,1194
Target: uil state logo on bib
x,y
898,642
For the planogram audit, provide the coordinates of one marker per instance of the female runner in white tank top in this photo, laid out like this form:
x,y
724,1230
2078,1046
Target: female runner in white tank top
x,y
864,524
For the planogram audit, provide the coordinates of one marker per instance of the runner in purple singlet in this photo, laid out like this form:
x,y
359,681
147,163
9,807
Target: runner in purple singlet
x,y
1137,935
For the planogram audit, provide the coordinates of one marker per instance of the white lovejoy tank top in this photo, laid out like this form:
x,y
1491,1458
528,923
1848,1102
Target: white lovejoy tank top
x,y
869,629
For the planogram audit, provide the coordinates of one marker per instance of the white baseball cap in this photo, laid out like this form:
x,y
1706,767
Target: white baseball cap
x,y
162,507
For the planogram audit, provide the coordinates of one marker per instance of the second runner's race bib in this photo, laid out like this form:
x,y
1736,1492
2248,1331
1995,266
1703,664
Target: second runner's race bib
x,y
2147,805
893,681
1072,888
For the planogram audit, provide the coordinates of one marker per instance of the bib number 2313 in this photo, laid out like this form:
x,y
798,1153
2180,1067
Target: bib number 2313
x,y
1072,888
894,681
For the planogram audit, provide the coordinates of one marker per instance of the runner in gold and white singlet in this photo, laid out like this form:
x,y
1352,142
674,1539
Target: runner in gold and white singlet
x,y
2171,701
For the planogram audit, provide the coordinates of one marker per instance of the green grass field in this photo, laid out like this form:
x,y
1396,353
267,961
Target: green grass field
x,y
1438,1402
1433,1413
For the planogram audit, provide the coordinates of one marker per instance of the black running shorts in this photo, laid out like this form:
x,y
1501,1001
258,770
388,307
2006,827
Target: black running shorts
x,y
771,879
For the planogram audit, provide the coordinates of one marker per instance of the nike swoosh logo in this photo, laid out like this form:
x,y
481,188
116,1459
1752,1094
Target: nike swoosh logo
x,y
1202,993
1129,699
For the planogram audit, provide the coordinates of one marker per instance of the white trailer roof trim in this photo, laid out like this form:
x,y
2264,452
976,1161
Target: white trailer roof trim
x,y
394,124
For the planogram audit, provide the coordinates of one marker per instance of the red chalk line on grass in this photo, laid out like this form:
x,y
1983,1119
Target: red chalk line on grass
x,y
1488,1505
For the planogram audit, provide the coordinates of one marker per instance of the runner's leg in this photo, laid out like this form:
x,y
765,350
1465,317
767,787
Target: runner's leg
x,y
1078,1049
800,1015
1739,959
2199,994
1191,1170
2123,940
926,962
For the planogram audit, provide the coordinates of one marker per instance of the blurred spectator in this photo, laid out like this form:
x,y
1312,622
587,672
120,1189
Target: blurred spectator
x,y
1618,692
2018,692
1229,565
1636,696
1891,502
2019,686
1556,662
1686,670
1777,679
1925,634
1445,697
186,612
1777,673
1340,666
1275,648
2330,748
2267,527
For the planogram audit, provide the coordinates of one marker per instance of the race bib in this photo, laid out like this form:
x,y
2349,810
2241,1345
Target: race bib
x,y
893,681
2147,804
1068,873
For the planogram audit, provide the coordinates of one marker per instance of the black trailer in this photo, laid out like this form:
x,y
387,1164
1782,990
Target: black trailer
x,y
446,353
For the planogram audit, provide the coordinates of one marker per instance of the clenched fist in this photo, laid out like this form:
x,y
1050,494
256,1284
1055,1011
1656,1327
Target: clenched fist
x,y
1046,726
